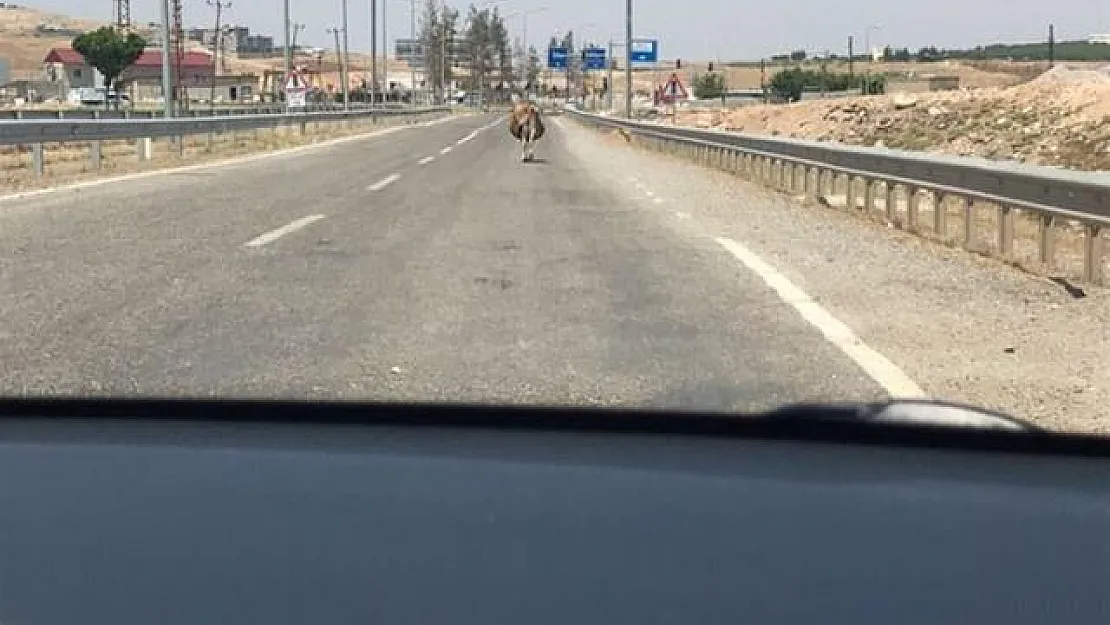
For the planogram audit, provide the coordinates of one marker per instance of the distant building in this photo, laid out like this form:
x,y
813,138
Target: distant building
x,y
255,43
235,39
67,66
1104,39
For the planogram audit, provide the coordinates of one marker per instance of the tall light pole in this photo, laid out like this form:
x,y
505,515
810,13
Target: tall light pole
x,y
523,14
385,52
373,52
217,44
167,66
628,59
346,60
287,57
341,58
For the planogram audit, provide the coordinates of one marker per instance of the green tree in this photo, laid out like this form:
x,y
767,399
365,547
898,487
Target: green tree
x,y
788,84
708,86
110,52
438,33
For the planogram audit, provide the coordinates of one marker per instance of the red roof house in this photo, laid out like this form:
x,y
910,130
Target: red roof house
x,y
196,67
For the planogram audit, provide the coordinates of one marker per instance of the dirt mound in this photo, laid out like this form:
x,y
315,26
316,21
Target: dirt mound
x,y
1062,75
1059,119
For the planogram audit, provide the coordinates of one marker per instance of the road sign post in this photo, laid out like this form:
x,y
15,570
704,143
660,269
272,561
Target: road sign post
x,y
295,89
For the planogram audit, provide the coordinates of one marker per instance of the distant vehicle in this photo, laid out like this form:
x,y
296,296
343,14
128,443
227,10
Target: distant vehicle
x,y
90,96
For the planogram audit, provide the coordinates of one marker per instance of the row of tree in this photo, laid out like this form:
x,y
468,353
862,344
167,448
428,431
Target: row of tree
x,y
790,84
479,43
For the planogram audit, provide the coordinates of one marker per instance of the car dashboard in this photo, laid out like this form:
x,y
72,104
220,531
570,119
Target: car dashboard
x,y
128,518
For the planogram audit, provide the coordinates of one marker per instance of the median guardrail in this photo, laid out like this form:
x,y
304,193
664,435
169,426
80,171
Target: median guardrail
x,y
37,133
817,169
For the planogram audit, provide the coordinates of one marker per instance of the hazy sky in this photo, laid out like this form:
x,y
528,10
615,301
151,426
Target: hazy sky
x,y
702,29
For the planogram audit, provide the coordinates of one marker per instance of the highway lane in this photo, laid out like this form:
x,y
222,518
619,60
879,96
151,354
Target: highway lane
x,y
424,264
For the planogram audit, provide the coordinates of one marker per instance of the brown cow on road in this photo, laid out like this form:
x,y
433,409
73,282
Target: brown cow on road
x,y
526,127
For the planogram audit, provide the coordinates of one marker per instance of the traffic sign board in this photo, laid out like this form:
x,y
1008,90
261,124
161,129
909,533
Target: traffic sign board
x,y
644,51
294,82
557,58
674,90
593,58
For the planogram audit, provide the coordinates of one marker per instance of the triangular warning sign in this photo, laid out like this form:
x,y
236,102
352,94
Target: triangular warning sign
x,y
674,89
294,82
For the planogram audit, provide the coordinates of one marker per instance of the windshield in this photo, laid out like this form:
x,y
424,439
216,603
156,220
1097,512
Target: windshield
x,y
733,208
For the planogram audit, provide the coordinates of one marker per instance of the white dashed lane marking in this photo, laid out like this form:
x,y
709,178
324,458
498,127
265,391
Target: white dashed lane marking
x,y
276,234
384,182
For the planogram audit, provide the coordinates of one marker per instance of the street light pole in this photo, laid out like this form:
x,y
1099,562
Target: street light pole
x,y
385,52
373,52
167,67
346,61
287,57
340,57
412,66
217,45
628,60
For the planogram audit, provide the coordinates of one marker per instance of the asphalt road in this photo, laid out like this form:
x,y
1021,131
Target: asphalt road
x,y
365,270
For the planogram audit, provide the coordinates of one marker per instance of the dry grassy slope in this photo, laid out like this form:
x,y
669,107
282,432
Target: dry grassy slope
x,y
1057,119
23,46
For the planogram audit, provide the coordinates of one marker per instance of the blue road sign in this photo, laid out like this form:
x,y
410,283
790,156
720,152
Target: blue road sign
x,y
556,58
645,51
593,58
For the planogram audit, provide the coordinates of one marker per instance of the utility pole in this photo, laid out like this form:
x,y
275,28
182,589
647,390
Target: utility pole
x,y
346,62
167,66
628,59
287,57
609,77
297,29
851,58
412,67
1051,46
373,52
385,52
340,58
217,45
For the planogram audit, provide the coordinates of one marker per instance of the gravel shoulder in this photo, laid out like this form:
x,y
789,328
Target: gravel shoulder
x,y
964,327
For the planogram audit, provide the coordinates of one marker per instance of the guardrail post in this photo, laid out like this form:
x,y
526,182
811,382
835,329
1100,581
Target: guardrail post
x,y
1006,232
38,160
852,199
95,155
869,196
95,149
913,207
891,201
1092,254
1047,246
969,222
142,148
940,216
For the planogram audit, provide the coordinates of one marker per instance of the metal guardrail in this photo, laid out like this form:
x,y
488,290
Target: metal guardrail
x,y
24,132
37,133
137,113
796,165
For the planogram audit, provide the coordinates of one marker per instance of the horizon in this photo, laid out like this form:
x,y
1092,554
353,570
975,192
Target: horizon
x,y
1075,21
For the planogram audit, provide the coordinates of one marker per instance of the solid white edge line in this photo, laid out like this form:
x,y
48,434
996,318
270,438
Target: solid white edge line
x,y
384,182
887,374
237,160
426,160
274,235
